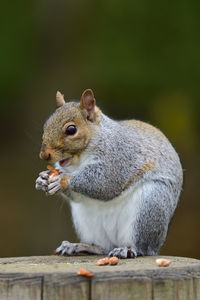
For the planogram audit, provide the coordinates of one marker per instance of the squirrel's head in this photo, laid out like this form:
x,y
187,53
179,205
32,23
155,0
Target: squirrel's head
x,y
69,129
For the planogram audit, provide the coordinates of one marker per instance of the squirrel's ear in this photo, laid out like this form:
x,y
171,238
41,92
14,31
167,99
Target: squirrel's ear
x,y
59,99
88,102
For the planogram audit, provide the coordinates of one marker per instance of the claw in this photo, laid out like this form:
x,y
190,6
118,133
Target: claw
x,y
41,181
125,252
52,185
64,248
67,248
53,190
44,174
41,184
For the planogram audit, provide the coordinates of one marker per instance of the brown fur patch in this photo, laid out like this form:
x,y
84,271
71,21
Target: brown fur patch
x,y
145,128
63,182
61,145
146,167
75,158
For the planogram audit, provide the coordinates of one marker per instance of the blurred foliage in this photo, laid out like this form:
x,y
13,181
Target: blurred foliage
x,y
142,61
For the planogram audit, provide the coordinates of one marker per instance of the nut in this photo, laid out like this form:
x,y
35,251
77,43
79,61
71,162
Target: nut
x,y
163,262
103,261
84,272
113,260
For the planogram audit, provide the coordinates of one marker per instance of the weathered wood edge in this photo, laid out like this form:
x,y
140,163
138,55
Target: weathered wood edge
x,y
108,283
175,273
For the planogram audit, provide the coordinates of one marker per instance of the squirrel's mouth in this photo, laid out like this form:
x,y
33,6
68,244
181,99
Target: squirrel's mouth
x,y
65,162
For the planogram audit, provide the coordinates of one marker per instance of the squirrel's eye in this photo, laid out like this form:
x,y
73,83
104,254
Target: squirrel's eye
x,y
71,130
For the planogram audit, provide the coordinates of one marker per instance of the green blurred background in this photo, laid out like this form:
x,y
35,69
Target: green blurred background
x,y
142,59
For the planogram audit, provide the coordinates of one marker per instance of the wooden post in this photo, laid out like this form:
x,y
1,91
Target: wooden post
x,y
55,278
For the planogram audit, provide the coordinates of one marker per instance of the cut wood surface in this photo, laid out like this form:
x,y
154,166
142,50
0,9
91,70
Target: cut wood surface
x,y
55,278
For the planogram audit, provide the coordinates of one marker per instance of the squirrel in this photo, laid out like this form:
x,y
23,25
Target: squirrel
x,y
122,179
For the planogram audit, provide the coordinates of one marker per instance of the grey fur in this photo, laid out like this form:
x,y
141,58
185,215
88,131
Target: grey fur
x,y
155,214
121,151
125,155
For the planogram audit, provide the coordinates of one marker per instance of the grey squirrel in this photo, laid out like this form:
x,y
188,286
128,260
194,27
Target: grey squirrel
x,y
123,179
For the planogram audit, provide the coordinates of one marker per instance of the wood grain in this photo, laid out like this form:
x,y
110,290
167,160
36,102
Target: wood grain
x,y
55,278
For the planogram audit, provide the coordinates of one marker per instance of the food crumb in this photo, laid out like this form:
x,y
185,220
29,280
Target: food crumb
x,y
54,253
84,272
113,260
163,262
103,261
53,172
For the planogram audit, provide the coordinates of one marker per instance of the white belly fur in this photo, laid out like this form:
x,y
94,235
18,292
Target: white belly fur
x,y
107,224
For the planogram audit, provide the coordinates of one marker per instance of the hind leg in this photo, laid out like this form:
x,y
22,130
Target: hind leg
x,y
150,229
153,206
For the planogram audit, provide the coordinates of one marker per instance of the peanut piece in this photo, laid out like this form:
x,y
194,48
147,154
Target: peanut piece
x,y
113,260
103,261
163,262
84,272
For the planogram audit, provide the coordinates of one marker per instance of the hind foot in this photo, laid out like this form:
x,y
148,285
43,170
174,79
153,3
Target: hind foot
x,y
67,248
125,252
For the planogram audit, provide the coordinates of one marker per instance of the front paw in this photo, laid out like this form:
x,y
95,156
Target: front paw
x,y
51,184
42,181
56,184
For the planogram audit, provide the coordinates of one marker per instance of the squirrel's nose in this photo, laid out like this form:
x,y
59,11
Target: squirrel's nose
x,y
45,153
